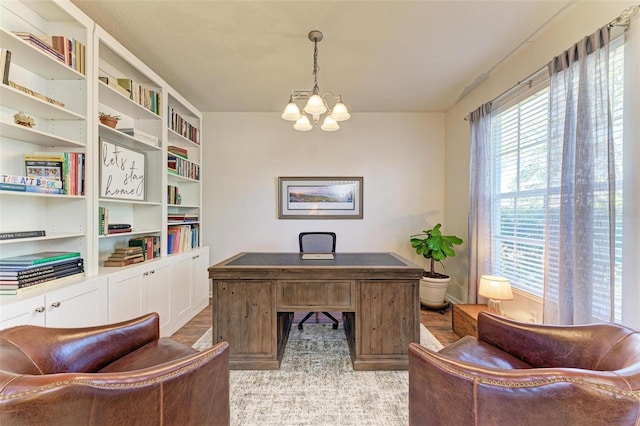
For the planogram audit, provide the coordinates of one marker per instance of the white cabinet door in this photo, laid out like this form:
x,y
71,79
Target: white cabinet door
x,y
127,294
159,292
80,305
201,278
182,288
23,312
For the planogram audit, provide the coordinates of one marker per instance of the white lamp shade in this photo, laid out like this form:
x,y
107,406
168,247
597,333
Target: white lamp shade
x,y
340,112
315,105
303,124
496,288
329,124
291,112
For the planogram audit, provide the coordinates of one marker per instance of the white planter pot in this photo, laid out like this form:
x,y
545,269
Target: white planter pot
x,y
433,290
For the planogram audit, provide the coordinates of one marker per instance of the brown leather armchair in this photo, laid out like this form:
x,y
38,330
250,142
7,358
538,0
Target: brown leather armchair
x,y
528,374
117,374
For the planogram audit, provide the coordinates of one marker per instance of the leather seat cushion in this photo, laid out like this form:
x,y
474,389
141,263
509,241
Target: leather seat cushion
x,y
150,355
478,352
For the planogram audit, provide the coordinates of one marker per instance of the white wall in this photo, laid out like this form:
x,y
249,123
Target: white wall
x,y
575,23
400,156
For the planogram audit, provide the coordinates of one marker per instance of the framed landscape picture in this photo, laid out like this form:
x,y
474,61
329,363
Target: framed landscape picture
x,y
122,172
320,197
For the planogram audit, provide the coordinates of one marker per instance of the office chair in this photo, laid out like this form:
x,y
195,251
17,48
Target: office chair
x,y
318,242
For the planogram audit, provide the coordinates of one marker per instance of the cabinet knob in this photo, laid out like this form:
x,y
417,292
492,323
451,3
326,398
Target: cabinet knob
x,y
153,271
196,256
55,305
145,274
39,309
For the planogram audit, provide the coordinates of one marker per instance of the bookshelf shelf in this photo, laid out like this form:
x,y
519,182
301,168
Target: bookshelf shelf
x,y
34,59
129,141
18,100
123,104
36,137
50,237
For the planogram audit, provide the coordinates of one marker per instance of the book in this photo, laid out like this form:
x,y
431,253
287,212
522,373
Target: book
x,y
5,64
137,259
118,231
47,166
119,226
38,258
21,234
28,271
31,181
113,83
13,187
35,94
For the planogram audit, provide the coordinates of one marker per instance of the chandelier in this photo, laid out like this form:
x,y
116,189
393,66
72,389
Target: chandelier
x,y
316,103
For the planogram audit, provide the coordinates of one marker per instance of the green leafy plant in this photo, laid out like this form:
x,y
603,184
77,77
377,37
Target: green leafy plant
x,y
432,245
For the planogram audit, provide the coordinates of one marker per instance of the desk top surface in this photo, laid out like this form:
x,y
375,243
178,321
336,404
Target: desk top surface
x,y
295,259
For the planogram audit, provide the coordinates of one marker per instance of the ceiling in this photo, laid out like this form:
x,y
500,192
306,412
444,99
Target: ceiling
x,y
381,56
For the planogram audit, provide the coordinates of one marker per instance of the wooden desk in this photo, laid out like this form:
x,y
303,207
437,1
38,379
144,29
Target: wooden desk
x,y
255,294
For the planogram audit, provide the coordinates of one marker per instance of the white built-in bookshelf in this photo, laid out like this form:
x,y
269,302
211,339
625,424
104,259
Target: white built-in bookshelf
x,y
65,109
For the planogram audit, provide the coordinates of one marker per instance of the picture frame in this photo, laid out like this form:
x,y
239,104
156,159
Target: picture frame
x,y
122,172
320,197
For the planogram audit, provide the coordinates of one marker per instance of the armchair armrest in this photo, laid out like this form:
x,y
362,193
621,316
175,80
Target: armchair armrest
x,y
542,345
443,390
61,350
191,390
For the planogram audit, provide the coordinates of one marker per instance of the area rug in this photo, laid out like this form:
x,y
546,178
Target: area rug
x,y
316,385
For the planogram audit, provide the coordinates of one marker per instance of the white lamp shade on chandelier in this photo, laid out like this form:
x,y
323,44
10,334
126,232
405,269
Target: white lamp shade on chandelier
x,y
316,103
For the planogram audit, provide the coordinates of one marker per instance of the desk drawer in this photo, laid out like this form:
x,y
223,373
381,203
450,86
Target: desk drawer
x,y
298,294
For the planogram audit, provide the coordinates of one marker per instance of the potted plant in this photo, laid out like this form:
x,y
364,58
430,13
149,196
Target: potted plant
x,y
435,247
108,119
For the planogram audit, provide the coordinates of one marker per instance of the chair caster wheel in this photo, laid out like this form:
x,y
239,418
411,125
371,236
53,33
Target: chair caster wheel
x,y
335,326
299,326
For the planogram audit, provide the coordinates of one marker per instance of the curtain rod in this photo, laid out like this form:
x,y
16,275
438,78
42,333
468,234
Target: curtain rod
x,y
528,80
625,17
623,20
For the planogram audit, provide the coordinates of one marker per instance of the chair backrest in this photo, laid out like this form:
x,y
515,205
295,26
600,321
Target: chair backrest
x,y
317,242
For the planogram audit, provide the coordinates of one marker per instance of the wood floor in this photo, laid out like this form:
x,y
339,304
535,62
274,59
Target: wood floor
x,y
438,324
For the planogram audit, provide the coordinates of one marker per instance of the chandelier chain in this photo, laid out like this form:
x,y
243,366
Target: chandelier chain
x,y
316,68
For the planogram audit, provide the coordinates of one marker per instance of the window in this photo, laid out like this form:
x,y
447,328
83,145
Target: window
x,y
522,185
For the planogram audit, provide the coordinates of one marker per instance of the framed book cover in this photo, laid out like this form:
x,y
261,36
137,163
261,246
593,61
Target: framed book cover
x,y
122,172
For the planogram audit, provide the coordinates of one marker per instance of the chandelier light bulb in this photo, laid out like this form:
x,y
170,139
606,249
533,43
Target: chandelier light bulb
x,y
291,111
303,124
329,124
340,112
315,105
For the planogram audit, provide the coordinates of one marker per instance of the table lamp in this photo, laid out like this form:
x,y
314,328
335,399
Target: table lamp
x,y
496,289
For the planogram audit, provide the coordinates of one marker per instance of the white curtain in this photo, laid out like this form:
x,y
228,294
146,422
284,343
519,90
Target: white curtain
x,y
479,199
580,243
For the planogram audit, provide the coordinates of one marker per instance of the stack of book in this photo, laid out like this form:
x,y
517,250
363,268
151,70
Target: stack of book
x,y
150,245
25,271
179,166
118,228
182,217
180,152
147,98
173,195
183,127
125,256
182,238
66,167
67,50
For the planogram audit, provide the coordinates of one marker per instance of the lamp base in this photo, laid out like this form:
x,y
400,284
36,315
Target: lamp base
x,y
495,306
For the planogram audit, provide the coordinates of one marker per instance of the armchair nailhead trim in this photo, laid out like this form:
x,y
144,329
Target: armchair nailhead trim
x,y
534,383
142,383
